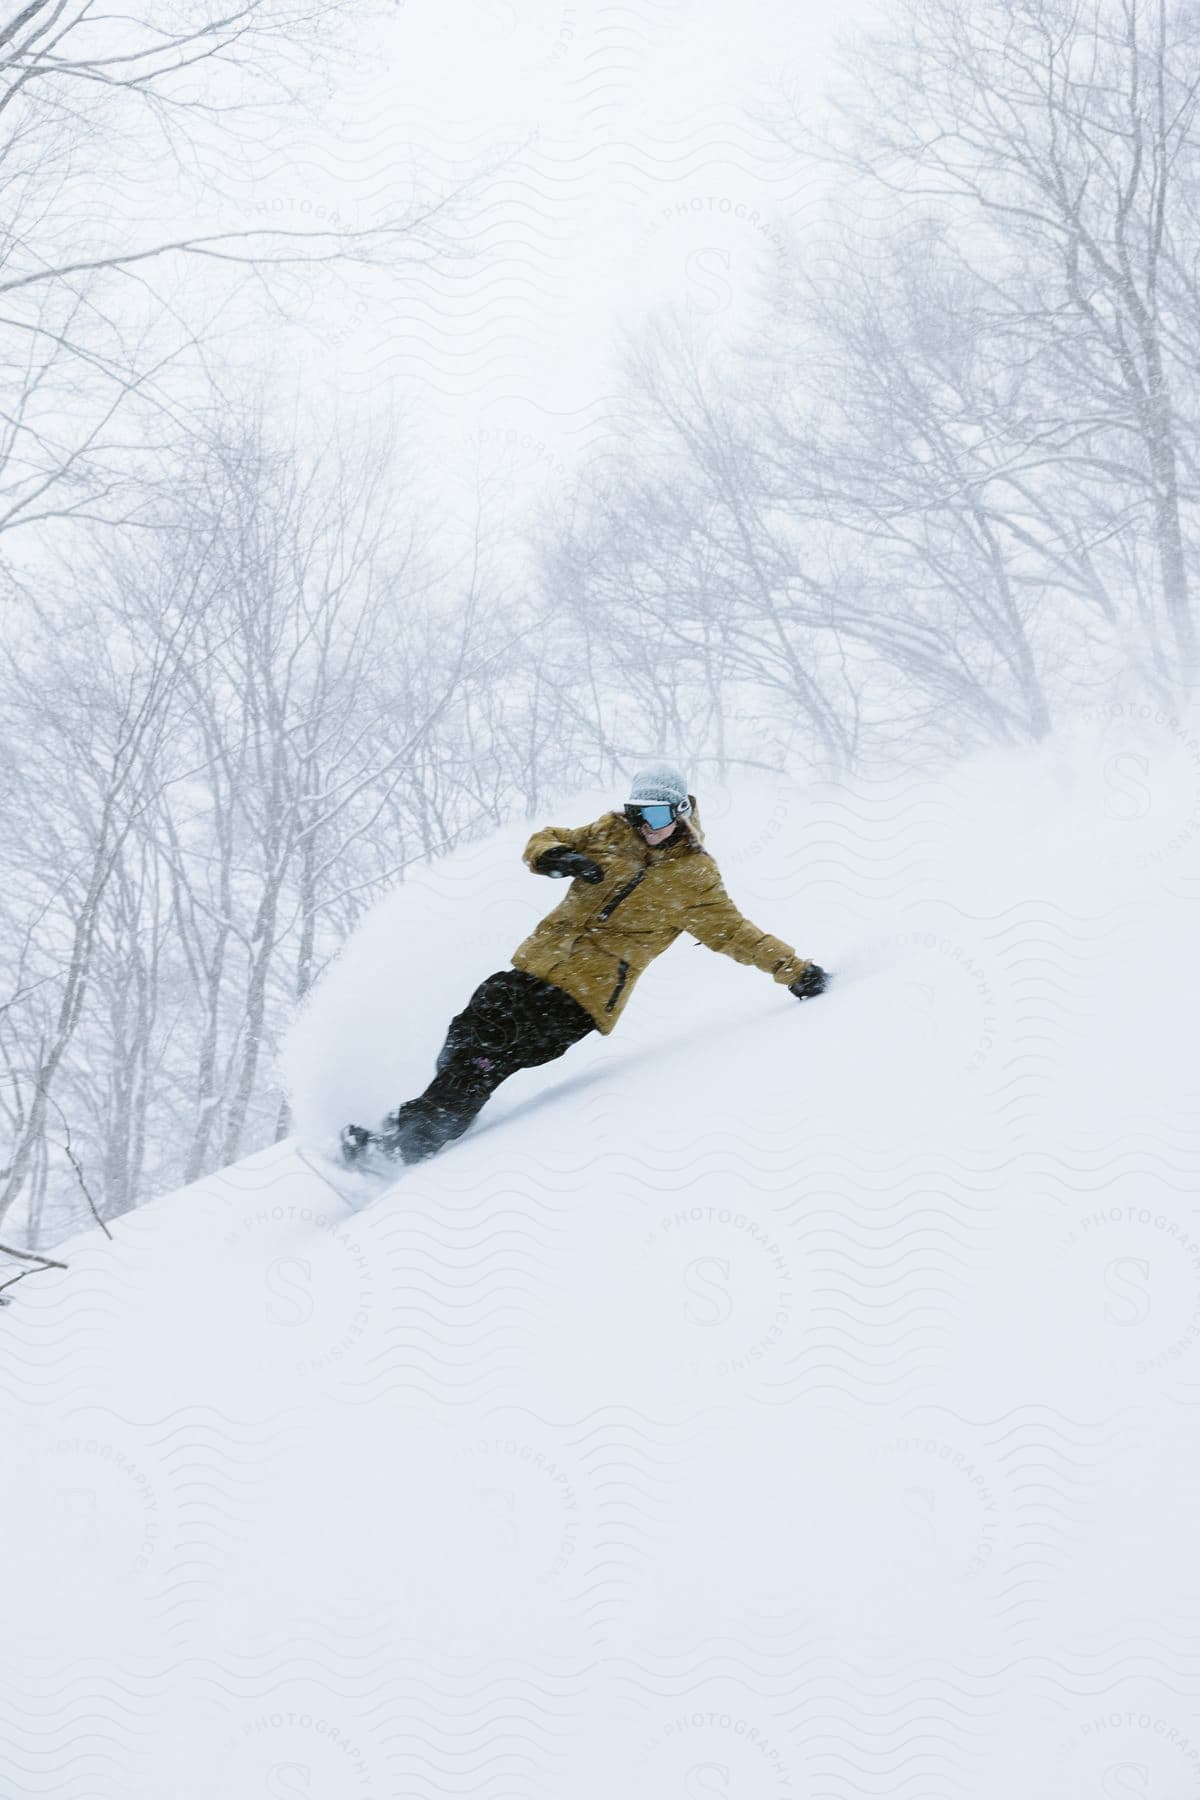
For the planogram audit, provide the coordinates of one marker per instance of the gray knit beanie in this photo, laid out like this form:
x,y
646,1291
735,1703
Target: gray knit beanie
x,y
658,783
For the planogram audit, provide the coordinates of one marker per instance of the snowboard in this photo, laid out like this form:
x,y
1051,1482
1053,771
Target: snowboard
x,y
356,1185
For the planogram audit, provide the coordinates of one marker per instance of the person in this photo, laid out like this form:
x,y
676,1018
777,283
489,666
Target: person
x,y
639,878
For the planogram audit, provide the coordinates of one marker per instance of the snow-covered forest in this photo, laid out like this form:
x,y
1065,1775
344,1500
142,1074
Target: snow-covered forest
x,y
453,443
929,486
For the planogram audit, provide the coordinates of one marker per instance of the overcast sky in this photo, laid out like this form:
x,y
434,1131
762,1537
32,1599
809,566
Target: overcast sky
x,y
635,173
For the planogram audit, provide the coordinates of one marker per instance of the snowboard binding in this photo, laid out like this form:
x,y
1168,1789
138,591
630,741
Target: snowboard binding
x,y
356,1142
408,1136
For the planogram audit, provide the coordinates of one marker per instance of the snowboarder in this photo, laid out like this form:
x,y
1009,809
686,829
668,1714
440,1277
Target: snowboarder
x,y
639,877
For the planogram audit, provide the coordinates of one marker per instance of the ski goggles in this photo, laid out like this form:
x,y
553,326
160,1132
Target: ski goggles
x,y
657,814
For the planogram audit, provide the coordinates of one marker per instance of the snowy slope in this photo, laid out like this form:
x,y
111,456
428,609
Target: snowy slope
x,y
768,1399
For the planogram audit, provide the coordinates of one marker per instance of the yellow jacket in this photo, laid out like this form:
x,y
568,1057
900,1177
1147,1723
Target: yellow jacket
x,y
596,943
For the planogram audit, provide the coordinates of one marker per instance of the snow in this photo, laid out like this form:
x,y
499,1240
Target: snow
x,y
767,1399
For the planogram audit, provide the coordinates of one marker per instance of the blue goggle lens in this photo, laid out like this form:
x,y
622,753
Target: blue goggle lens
x,y
653,816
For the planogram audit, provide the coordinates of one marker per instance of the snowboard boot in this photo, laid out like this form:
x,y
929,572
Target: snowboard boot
x,y
422,1126
356,1142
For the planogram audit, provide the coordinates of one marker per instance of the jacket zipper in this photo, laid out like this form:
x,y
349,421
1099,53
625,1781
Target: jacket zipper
x,y
622,976
621,894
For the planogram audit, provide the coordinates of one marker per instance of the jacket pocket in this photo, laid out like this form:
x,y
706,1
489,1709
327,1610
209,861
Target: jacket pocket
x,y
607,910
622,978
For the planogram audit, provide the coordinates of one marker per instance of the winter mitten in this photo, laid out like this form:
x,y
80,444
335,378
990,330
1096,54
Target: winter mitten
x,y
558,860
813,981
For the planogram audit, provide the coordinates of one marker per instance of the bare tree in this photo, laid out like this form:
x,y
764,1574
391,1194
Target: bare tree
x,y
955,469
92,717
1053,146
679,578
100,341
304,699
898,450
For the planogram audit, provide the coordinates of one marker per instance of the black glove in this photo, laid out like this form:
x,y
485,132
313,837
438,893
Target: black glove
x,y
813,981
558,860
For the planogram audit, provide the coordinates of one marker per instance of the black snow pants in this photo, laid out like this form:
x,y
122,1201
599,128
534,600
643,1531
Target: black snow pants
x,y
512,1021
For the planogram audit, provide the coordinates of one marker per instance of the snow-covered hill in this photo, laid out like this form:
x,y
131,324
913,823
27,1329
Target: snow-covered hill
x,y
767,1399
